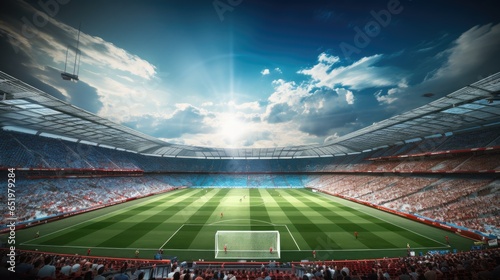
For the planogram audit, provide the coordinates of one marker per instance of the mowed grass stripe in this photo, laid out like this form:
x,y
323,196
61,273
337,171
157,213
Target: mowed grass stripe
x,y
176,223
326,217
270,207
207,210
417,240
310,232
91,227
393,233
187,235
113,225
349,226
258,211
278,216
236,217
142,224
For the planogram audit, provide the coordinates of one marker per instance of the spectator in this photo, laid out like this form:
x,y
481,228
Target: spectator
x,y
122,275
48,270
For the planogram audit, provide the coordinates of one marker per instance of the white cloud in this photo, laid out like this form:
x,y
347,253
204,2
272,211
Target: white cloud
x,y
230,130
287,92
391,94
349,97
315,111
265,72
114,58
277,69
360,75
328,59
122,100
125,78
331,138
473,50
386,98
182,106
254,106
254,135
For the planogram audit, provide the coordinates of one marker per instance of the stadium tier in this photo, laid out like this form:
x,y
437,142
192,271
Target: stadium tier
x,y
37,152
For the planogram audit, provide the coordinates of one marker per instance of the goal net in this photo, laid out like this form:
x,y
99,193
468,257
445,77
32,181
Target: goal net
x,y
235,244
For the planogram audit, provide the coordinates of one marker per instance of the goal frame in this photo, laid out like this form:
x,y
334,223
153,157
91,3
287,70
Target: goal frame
x,y
265,253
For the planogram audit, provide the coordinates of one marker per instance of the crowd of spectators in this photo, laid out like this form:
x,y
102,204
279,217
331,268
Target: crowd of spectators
x,y
472,212
443,192
33,265
440,163
390,190
480,264
480,162
456,200
463,265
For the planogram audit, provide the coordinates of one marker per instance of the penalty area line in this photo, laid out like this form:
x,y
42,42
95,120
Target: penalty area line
x,y
88,247
368,249
291,235
173,234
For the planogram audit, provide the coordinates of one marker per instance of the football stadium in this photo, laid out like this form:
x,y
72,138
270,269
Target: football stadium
x,y
111,172
422,182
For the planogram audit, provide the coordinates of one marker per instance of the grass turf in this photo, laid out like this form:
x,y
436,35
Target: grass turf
x,y
183,223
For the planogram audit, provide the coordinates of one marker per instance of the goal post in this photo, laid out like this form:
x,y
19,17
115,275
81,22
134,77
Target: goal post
x,y
237,244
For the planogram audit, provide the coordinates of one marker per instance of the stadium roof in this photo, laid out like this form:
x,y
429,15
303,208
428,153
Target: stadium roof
x,y
23,107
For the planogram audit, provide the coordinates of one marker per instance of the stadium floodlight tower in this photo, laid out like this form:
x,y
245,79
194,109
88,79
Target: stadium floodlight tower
x,y
251,244
76,66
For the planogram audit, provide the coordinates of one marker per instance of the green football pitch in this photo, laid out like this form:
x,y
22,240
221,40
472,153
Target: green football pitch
x,y
184,222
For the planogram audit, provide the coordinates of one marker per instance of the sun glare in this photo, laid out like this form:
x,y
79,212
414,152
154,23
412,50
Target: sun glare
x,y
232,129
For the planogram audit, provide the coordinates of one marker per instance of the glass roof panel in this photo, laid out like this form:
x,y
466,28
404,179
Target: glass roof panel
x,y
45,111
14,101
457,110
471,106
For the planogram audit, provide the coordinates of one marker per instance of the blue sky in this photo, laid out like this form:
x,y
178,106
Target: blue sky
x,y
241,73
